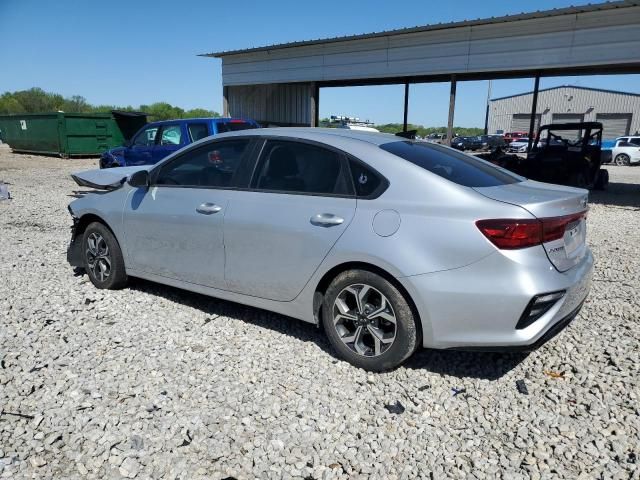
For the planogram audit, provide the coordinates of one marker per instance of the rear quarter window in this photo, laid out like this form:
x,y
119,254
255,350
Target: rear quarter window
x,y
451,165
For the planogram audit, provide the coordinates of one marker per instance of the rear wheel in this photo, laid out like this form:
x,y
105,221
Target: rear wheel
x,y
602,179
102,257
368,321
623,159
579,179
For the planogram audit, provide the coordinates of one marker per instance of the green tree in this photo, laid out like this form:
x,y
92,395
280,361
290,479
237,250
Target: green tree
x,y
36,100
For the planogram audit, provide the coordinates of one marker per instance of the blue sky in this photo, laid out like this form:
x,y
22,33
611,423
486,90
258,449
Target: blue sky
x,y
136,52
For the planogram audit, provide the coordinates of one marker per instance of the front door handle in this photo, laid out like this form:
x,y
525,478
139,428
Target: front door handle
x,y
326,220
208,208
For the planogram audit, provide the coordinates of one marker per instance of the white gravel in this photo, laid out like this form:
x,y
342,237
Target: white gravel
x,y
154,382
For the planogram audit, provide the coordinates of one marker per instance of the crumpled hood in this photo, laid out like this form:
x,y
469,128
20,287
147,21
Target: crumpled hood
x,y
106,179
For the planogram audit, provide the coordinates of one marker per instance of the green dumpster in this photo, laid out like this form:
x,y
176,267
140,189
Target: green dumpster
x,y
68,134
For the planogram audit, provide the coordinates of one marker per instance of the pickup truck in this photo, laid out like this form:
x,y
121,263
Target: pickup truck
x,y
156,140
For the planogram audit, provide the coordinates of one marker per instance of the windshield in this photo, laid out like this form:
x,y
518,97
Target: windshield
x,y
452,165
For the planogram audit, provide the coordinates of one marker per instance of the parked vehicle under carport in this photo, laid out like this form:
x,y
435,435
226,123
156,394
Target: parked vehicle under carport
x,y
562,153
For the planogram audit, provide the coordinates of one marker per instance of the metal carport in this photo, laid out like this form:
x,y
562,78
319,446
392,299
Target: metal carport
x,y
279,84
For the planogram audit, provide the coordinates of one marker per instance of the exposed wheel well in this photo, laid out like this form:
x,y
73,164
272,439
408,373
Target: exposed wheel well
x,y
88,219
328,277
74,256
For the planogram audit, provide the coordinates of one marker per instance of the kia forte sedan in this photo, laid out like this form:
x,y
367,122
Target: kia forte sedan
x,y
389,244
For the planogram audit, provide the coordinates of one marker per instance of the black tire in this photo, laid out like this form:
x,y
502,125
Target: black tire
x,y
579,179
99,250
602,179
407,336
623,160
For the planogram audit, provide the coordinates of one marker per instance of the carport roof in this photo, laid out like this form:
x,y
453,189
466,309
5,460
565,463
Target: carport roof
x,y
439,26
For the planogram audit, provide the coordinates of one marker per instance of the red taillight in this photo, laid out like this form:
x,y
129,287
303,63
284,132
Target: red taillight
x,y
511,234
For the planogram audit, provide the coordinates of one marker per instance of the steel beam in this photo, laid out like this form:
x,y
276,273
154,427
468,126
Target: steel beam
x,y
314,112
534,106
452,108
406,106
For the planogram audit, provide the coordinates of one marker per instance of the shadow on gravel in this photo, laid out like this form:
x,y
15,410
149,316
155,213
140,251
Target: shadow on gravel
x,y
617,195
482,365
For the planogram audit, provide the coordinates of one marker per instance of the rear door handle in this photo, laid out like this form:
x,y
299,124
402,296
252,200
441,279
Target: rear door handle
x,y
326,220
208,208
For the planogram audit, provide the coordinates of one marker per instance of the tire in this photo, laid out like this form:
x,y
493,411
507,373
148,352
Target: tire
x,y
602,179
578,179
102,257
623,160
342,318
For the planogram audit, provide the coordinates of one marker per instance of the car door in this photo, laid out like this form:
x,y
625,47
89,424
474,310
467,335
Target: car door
x,y
140,152
277,233
172,137
174,227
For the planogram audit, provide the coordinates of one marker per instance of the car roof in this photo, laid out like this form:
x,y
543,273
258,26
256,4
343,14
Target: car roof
x,y
318,134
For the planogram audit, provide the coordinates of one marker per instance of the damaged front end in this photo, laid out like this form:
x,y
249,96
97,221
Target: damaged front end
x,y
74,254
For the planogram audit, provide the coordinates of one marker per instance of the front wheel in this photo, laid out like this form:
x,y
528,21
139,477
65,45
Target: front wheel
x,y
102,257
623,160
368,321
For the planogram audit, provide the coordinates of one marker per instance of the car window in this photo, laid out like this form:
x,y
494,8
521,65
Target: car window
x,y
635,141
211,165
146,137
171,135
365,180
198,131
299,168
234,125
452,165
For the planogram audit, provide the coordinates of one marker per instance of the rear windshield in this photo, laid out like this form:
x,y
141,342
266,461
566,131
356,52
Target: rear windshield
x,y
452,165
233,126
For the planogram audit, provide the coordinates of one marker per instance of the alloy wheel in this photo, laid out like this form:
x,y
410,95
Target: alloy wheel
x,y
98,256
364,320
622,159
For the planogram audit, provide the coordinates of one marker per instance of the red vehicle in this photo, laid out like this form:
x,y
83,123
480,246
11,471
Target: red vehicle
x,y
511,136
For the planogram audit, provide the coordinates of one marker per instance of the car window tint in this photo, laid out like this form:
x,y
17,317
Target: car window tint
x,y
635,141
198,131
452,165
171,135
365,180
301,168
147,137
234,125
211,165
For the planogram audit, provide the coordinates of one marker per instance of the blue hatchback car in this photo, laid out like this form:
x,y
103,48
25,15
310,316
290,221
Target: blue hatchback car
x,y
156,140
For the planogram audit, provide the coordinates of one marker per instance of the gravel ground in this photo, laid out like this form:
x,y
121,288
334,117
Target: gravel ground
x,y
154,382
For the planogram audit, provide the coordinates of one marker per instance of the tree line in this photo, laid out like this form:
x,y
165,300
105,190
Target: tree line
x,y
420,129
36,100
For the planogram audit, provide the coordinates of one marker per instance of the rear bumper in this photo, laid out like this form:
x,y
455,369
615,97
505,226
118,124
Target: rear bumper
x,y
554,330
477,307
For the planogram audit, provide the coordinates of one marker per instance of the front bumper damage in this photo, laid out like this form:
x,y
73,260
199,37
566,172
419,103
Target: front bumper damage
x,y
74,256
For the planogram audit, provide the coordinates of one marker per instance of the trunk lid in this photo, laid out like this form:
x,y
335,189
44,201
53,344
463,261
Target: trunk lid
x,y
557,207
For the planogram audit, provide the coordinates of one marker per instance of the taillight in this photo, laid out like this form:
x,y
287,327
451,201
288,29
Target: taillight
x,y
511,234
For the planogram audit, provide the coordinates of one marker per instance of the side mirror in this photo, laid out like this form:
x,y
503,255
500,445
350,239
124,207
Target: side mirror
x,y
139,179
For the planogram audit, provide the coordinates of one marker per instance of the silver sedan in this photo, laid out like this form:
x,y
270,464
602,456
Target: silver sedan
x,y
389,244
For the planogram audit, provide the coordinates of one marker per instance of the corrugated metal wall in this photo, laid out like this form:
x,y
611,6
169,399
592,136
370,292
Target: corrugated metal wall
x,y
607,37
286,104
565,100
